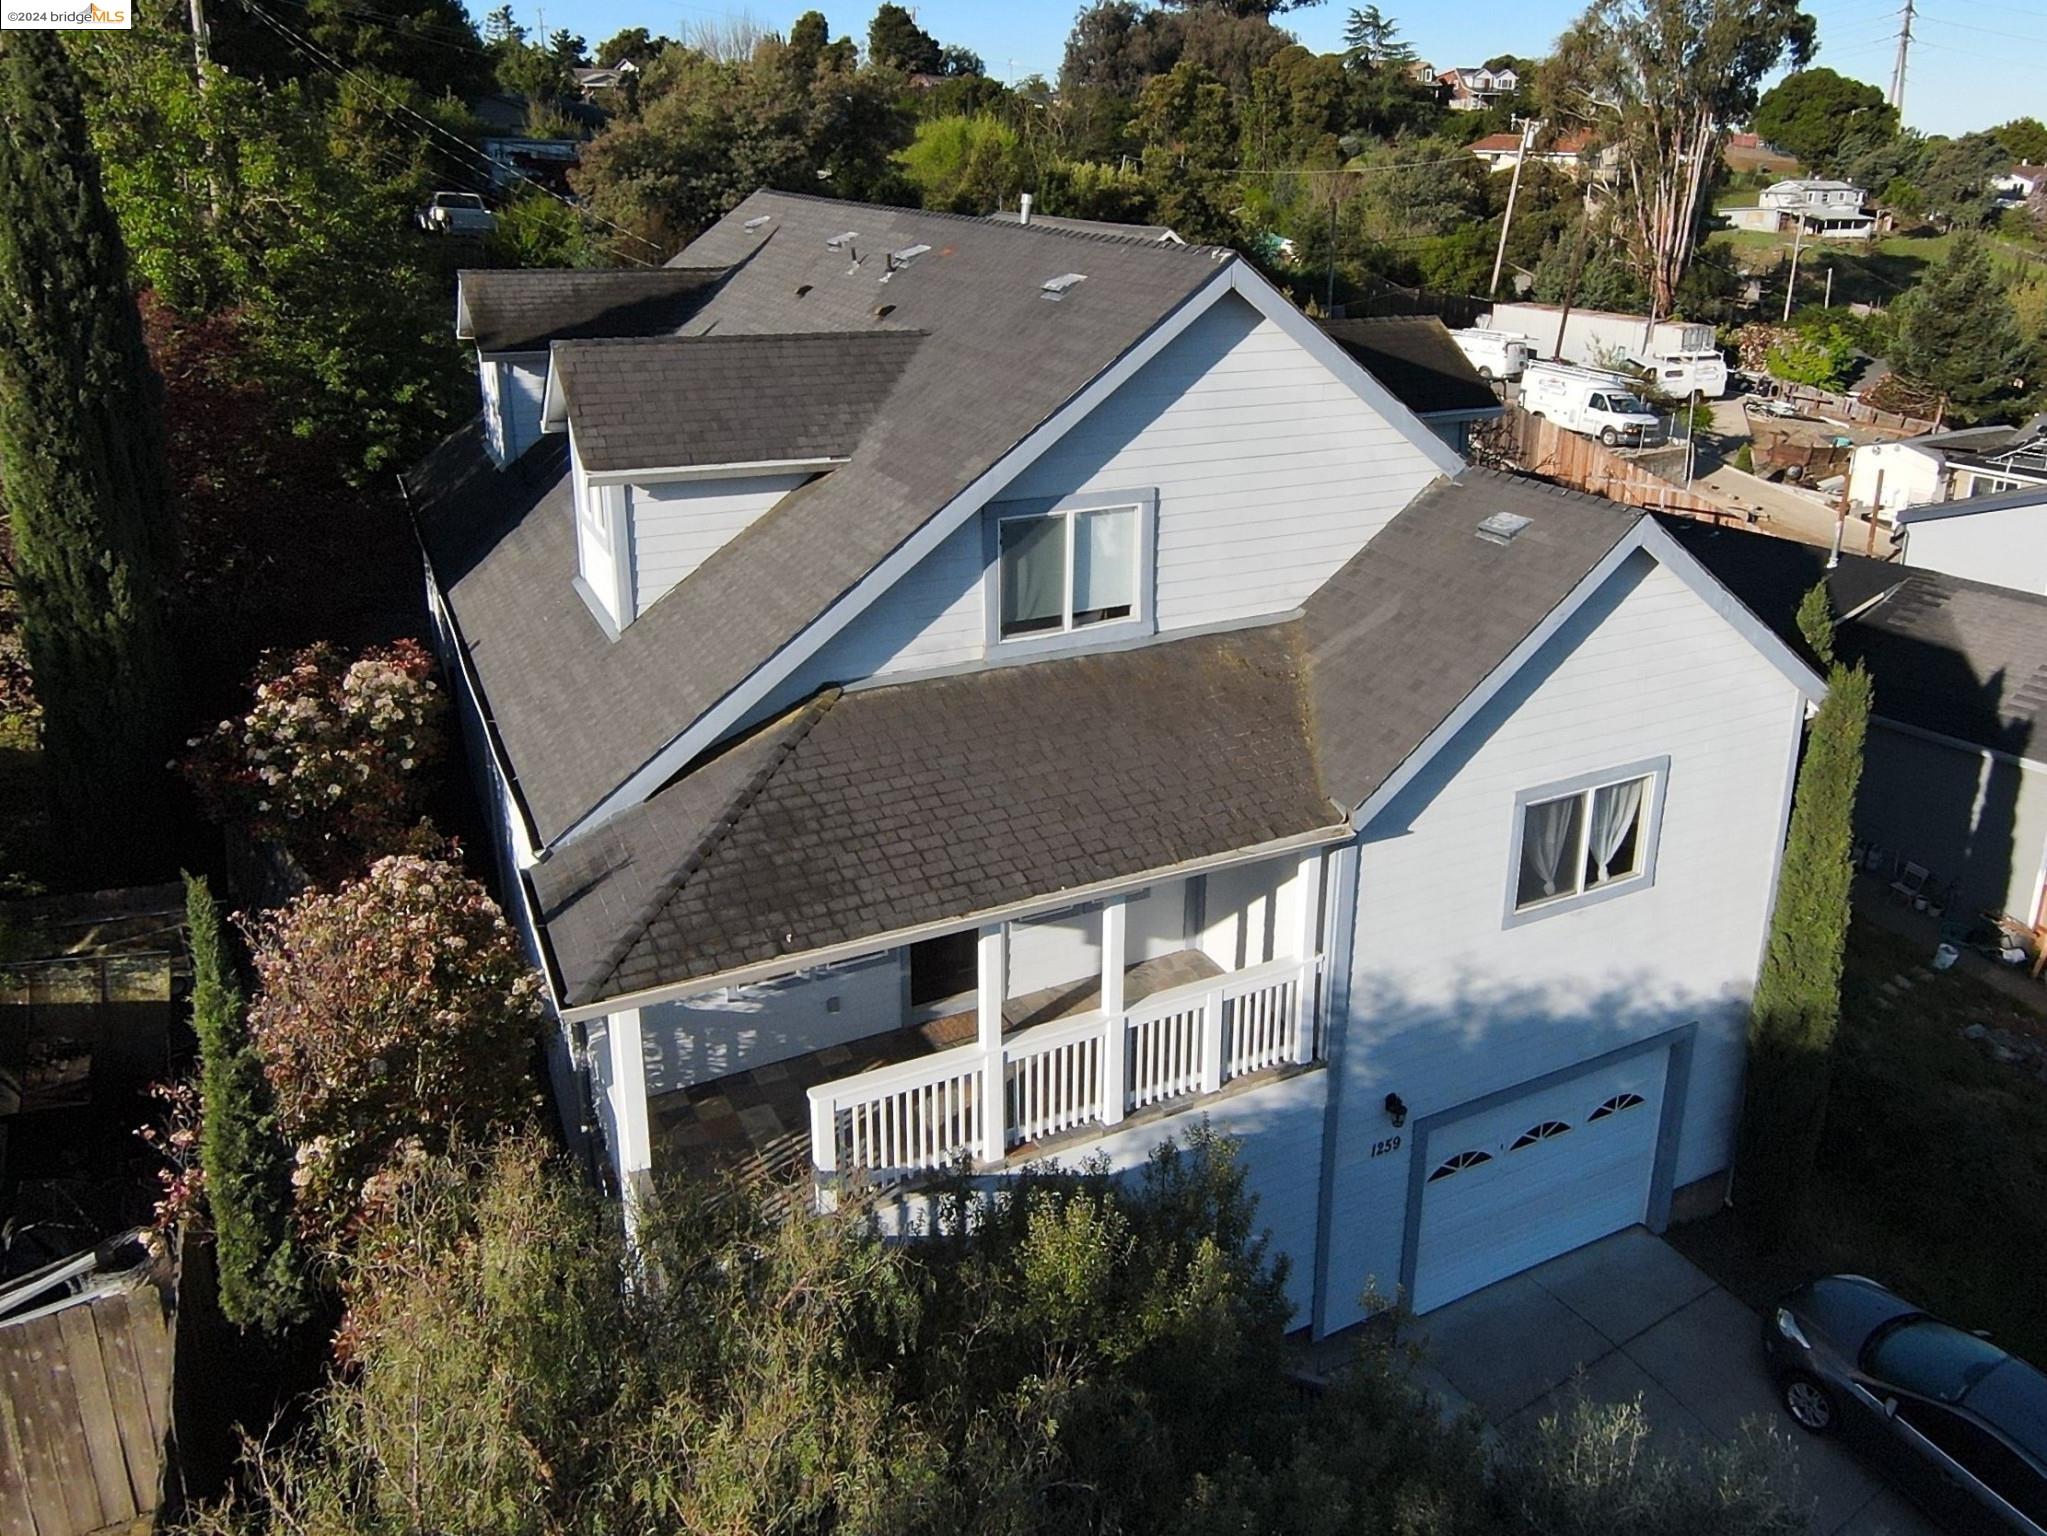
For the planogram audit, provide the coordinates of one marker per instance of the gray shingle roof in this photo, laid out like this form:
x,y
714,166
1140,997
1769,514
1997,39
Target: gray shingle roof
x,y
523,311
889,807
1413,356
676,400
1425,612
998,360
1961,658
1149,232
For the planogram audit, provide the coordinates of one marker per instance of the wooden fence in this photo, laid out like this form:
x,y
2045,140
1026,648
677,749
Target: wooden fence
x,y
1846,408
85,1411
1541,447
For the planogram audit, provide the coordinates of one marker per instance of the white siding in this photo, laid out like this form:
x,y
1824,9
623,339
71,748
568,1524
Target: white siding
x,y
736,1029
2006,548
1155,923
1447,1004
1248,915
1270,473
676,527
511,389
1911,476
1055,951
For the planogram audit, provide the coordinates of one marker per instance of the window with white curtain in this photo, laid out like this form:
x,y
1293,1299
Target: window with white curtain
x,y
1584,840
1060,571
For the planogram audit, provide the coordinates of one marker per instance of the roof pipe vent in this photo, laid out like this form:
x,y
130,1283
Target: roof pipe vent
x,y
1502,527
756,224
846,242
1023,209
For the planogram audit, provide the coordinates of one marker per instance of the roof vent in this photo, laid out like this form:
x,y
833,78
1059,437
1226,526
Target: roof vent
x,y
1056,288
1502,527
840,242
757,223
897,260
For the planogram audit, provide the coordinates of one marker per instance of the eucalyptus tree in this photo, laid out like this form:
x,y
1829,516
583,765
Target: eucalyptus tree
x,y
1660,82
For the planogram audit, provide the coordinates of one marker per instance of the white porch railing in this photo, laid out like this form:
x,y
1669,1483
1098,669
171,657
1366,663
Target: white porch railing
x,y
902,1120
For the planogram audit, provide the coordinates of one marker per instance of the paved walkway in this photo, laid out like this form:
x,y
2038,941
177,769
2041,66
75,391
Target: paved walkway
x,y
1629,1317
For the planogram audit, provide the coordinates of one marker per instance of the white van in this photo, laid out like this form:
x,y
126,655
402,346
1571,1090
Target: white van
x,y
1677,374
1598,404
1495,354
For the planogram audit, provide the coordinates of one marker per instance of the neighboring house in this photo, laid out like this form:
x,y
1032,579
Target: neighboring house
x,y
1752,152
1573,152
1414,356
1953,465
990,693
1473,90
1826,210
1997,539
2020,183
601,80
1955,771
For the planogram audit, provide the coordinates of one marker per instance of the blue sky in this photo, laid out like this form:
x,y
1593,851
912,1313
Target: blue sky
x,y
1974,62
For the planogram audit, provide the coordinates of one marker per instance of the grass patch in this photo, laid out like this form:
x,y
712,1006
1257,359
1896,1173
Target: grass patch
x,y
1933,1165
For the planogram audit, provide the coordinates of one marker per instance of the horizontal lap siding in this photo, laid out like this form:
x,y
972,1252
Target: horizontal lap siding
x,y
2003,548
1271,474
677,527
1447,1004
1976,822
735,1029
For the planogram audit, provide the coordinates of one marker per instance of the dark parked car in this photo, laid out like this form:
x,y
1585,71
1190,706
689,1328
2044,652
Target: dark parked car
x,y
1959,1422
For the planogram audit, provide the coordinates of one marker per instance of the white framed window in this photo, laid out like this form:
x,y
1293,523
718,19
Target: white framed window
x,y
1070,571
1585,840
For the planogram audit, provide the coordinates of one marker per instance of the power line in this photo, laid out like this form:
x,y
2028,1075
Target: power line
x,y
490,166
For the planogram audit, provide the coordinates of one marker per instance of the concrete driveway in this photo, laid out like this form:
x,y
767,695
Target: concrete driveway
x,y
1630,1317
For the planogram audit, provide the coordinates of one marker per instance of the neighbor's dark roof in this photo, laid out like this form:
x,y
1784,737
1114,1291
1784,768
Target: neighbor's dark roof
x,y
1413,356
996,362
885,808
1960,658
523,311
676,400
1420,617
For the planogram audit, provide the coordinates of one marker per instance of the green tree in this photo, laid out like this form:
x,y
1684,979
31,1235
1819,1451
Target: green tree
x,y
809,35
430,44
1117,45
636,44
1956,180
570,48
1797,1004
966,164
1187,123
2024,139
1958,338
1814,113
1660,80
1372,40
1823,358
895,41
86,488
246,1162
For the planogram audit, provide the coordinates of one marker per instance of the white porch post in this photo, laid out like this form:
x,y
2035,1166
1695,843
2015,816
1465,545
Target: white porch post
x,y
1308,888
1214,1038
1115,1033
990,994
632,1151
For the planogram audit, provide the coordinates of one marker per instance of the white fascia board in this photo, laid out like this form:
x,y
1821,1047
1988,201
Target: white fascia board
x,y
708,729
1276,307
465,330
669,473
1645,537
554,404
1335,835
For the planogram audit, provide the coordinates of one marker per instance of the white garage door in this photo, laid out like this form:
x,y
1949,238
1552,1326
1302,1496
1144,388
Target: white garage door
x,y
1536,1176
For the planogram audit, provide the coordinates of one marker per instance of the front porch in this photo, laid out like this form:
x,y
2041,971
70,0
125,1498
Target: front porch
x,y
1147,1031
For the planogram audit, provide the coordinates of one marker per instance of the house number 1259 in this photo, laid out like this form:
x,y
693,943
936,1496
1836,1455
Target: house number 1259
x,y
1381,1148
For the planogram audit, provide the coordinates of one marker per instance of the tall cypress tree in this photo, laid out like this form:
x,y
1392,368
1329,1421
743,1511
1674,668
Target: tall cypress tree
x,y
1797,1005
82,471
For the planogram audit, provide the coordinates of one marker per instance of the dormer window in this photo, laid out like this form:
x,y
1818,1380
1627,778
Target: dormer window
x,y
1076,568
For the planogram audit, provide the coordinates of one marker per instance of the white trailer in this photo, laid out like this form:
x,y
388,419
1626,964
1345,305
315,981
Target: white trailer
x,y
1495,354
1679,355
1588,400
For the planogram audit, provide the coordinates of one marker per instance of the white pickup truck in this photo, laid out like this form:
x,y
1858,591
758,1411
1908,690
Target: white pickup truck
x,y
456,213
1587,400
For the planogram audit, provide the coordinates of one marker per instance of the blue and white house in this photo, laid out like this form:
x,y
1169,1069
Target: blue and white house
x,y
968,691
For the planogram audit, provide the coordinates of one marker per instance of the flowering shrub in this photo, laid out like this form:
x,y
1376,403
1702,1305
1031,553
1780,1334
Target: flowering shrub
x,y
175,1139
332,759
397,1007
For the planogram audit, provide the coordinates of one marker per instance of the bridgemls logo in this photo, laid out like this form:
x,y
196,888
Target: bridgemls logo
x,y
64,16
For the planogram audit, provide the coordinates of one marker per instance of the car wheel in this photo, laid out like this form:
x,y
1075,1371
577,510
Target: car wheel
x,y
1608,436
1486,374
1810,1405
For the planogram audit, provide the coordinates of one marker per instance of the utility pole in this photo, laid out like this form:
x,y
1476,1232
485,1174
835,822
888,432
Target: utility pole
x,y
1571,280
1329,302
1527,127
1829,303
202,43
1898,69
1792,287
